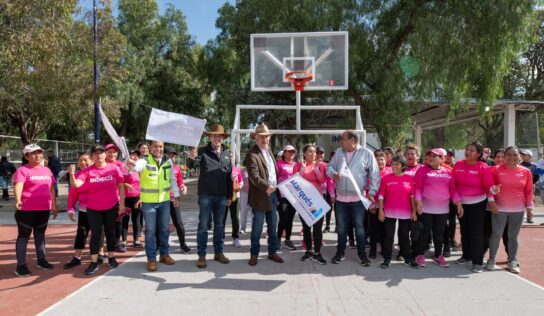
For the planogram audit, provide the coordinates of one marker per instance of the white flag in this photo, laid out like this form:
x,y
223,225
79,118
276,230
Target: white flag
x,y
346,172
305,198
174,128
119,141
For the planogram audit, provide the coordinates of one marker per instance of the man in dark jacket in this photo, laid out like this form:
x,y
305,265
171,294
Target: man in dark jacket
x,y
7,169
53,163
262,175
214,191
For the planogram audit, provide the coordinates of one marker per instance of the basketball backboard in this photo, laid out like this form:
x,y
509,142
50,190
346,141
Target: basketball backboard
x,y
324,54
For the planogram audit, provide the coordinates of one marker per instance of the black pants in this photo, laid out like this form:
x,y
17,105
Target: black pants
x,y
99,220
317,235
451,226
329,213
178,223
234,219
82,230
27,223
121,226
472,231
375,231
403,234
488,229
286,212
435,223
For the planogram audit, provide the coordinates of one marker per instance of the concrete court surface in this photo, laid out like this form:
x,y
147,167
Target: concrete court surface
x,y
299,288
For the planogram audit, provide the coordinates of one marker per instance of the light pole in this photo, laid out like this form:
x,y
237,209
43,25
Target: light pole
x,y
95,58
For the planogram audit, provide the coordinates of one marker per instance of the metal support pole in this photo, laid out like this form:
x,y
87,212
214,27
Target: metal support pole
x,y
298,110
538,145
95,91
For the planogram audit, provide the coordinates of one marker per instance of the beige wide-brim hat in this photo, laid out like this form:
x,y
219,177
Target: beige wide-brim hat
x,y
217,129
260,130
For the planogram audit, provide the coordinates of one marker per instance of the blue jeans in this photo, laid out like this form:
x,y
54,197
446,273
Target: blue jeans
x,y
4,183
257,228
211,206
350,214
156,213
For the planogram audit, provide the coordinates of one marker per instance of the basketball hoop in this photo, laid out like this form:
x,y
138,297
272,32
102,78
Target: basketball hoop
x,y
298,78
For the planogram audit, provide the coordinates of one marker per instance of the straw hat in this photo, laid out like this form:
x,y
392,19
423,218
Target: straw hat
x,y
217,129
260,130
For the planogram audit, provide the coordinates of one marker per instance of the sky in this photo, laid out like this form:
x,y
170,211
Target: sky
x,y
200,15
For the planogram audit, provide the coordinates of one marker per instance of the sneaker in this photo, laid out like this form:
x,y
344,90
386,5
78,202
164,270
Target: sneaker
x,y
92,268
290,245
338,258
420,261
477,268
364,261
463,260
44,265
441,261
513,267
490,265
400,258
112,263
385,264
22,271
307,256
120,248
242,232
319,259
185,249
326,230
530,221
446,253
137,244
412,263
100,259
352,244
236,243
74,262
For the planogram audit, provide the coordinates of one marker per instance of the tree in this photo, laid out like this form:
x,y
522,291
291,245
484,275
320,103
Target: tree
x,y
399,50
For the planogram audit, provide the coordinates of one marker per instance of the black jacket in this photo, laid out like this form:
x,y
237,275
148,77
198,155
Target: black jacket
x,y
215,172
7,169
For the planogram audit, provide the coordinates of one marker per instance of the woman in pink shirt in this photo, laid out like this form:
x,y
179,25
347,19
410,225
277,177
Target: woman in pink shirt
x,y
514,195
412,157
104,183
434,189
79,197
34,200
473,182
314,172
286,211
396,202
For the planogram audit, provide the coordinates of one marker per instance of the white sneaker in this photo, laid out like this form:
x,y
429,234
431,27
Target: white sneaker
x,y
513,266
490,265
236,243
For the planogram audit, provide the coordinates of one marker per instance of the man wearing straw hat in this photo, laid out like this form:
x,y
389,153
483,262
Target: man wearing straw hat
x,y
262,176
214,191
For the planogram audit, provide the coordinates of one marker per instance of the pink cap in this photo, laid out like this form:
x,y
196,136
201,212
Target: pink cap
x,y
108,146
439,151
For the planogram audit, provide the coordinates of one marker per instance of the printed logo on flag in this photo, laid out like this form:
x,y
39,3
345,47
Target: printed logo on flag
x,y
305,198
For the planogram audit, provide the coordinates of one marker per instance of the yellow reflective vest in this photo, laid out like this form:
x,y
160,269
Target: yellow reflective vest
x,y
155,181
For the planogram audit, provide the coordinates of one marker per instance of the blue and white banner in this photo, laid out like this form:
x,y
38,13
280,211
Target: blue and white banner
x,y
305,198
174,128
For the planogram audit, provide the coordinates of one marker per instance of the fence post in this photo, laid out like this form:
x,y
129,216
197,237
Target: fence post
x,y
418,131
509,125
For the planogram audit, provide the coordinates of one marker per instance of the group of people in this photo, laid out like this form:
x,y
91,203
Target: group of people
x,y
383,190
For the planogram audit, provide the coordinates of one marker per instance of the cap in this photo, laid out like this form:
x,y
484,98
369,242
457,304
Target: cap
x,y
170,150
289,147
31,148
96,148
450,152
438,151
135,151
526,152
108,146
319,149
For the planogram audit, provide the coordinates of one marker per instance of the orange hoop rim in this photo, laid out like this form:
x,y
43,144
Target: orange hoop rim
x,y
299,83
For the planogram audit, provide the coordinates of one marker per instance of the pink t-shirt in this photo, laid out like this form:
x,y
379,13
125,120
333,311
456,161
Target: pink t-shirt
x,y
285,169
395,191
315,176
37,182
516,191
77,195
237,176
387,170
132,178
101,185
179,179
435,188
472,181
411,171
